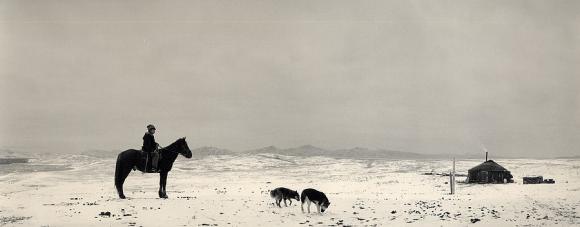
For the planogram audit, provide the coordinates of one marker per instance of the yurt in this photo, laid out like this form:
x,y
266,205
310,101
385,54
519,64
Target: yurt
x,y
489,172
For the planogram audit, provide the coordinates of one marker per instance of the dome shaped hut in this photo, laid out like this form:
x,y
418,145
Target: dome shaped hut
x,y
489,172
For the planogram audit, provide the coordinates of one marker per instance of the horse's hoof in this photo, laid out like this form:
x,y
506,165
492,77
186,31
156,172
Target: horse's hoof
x,y
122,197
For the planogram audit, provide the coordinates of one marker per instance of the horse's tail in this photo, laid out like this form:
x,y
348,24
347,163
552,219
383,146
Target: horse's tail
x,y
118,170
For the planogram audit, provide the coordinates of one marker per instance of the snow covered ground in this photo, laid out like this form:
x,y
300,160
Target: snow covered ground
x,y
233,191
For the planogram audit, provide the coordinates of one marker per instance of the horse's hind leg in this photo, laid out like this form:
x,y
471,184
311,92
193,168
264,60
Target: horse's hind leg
x,y
121,180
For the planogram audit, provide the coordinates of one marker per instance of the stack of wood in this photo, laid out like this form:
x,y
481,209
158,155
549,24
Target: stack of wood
x,y
538,180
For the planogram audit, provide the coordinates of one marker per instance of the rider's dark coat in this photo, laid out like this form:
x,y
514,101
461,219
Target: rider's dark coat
x,y
149,144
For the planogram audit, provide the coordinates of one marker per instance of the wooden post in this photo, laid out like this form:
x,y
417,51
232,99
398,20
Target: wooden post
x,y
451,182
452,178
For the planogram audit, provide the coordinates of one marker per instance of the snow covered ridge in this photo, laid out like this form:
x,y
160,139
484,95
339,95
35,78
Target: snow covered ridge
x,y
301,151
204,151
353,153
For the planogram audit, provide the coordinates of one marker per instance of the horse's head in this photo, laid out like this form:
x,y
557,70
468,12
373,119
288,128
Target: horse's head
x,y
183,148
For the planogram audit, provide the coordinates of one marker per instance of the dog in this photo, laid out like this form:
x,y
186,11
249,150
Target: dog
x,y
282,193
312,195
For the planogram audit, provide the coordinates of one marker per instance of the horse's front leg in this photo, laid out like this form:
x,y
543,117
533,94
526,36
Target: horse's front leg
x,y
162,183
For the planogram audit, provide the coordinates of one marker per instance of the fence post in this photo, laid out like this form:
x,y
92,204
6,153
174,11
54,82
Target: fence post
x,y
452,178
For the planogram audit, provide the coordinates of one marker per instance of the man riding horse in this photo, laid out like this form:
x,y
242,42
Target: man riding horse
x,y
132,159
149,147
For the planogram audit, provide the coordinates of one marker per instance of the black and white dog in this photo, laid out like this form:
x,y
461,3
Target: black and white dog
x,y
281,193
318,198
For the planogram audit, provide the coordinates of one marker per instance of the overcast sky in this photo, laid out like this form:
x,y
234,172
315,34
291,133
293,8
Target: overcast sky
x,y
419,76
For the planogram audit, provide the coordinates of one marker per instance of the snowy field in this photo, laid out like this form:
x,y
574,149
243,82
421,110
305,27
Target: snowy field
x,y
233,191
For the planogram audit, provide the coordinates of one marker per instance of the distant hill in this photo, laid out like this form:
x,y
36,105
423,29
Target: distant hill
x,y
366,153
301,151
354,153
569,157
306,150
207,151
7,153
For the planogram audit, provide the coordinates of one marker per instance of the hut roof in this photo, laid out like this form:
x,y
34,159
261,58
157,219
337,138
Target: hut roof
x,y
488,165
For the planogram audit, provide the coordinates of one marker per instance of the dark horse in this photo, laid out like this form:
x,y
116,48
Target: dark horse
x,y
132,158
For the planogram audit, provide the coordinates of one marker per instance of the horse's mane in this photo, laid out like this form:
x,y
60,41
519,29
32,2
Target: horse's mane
x,y
174,145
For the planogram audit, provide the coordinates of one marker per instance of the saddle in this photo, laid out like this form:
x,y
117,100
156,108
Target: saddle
x,y
151,161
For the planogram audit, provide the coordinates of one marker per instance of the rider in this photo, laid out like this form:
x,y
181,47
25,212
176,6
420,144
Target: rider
x,y
149,146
